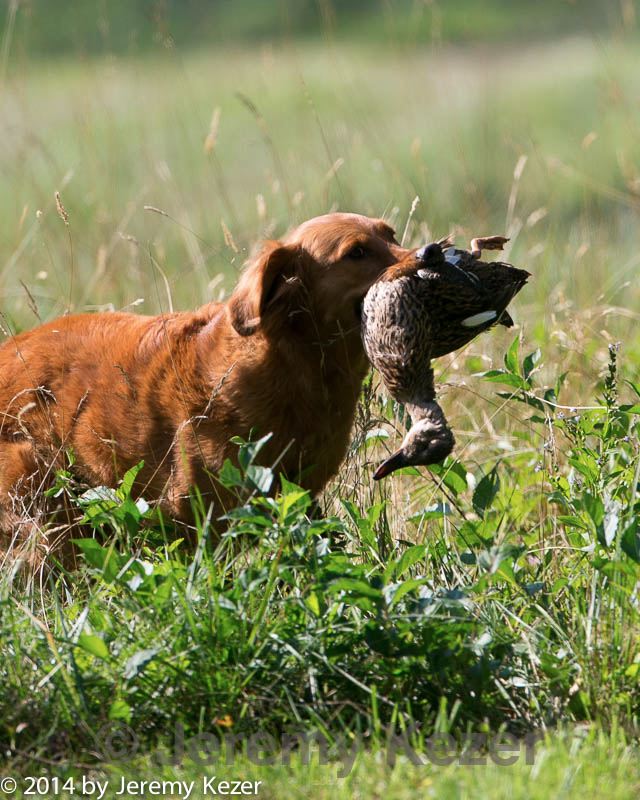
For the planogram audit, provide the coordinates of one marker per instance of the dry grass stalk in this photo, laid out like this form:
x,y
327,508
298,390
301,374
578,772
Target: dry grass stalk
x,y
62,211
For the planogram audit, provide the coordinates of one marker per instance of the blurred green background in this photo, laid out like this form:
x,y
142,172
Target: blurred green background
x,y
93,27
231,121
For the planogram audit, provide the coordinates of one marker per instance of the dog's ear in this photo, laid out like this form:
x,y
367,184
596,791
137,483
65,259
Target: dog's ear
x,y
268,289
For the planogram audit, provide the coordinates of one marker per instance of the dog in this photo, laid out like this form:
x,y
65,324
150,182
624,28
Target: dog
x,y
282,356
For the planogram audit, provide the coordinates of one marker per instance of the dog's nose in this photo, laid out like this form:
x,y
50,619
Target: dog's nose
x,y
429,252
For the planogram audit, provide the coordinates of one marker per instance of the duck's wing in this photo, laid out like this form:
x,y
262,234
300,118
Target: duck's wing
x,y
500,281
460,312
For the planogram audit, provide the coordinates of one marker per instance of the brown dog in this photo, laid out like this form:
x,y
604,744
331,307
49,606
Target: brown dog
x,y
283,355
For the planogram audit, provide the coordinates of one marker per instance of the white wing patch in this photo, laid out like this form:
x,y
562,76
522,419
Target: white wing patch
x,y
479,319
451,256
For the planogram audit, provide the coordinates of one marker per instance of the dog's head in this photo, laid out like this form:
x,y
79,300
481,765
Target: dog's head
x,y
315,279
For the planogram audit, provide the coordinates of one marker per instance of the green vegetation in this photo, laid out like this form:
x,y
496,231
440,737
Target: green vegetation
x,y
135,26
497,593
508,603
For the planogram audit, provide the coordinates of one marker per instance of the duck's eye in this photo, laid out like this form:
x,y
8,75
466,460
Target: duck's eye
x,y
357,252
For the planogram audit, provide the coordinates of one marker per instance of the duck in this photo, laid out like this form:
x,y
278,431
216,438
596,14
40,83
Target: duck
x,y
423,308
429,440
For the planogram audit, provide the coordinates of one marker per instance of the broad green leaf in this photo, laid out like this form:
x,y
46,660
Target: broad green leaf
x,y
404,588
230,476
635,409
630,541
362,525
298,500
633,670
355,588
453,474
313,603
573,521
530,361
120,710
260,478
486,491
595,509
93,551
511,357
126,485
104,497
410,557
502,376
586,466
95,645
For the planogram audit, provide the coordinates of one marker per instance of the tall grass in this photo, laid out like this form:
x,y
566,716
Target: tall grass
x,y
498,590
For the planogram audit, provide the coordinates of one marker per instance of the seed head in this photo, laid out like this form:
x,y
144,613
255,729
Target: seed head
x,y
62,211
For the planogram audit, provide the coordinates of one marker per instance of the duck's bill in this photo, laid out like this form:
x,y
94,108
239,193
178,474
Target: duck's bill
x,y
397,461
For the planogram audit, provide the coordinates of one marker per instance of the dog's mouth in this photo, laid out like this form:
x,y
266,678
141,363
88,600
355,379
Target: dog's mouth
x,y
357,309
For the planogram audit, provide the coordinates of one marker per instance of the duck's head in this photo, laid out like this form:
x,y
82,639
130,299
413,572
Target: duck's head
x,y
430,254
429,441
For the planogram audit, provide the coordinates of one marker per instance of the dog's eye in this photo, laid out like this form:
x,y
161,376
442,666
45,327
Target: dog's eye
x,y
357,252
